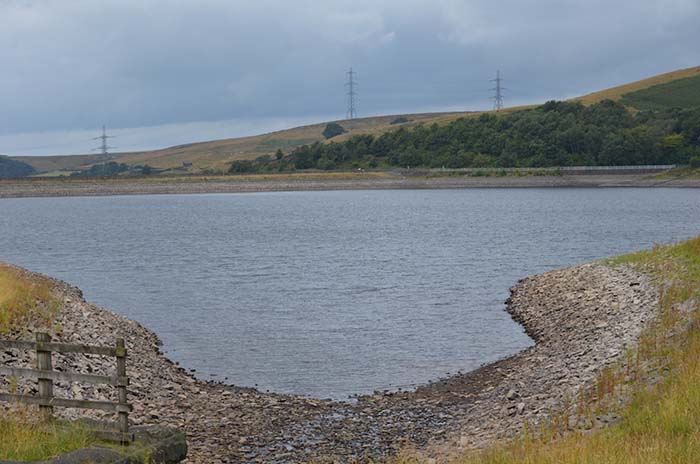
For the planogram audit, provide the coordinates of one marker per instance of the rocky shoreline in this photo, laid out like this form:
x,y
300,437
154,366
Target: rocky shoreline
x,y
582,319
64,187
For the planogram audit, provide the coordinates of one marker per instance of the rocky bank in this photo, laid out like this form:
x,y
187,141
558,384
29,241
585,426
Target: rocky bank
x,y
63,187
582,318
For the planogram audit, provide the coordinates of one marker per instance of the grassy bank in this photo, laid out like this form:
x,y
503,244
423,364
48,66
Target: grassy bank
x,y
23,439
27,300
661,423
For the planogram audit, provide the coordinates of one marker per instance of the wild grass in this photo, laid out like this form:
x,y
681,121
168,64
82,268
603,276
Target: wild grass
x,y
24,439
679,173
616,93
29,300
661,422
681,93
25,300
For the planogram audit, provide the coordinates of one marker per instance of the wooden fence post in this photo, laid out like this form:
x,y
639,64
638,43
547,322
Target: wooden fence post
x,y
121,372
45,375
43,361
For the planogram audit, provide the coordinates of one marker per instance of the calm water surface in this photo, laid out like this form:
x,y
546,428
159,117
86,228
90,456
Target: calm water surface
x,y
332,293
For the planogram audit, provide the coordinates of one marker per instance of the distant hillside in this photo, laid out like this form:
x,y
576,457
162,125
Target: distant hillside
x,y
617,93
551,135
45,164
665,89
13,168
682,93
219,154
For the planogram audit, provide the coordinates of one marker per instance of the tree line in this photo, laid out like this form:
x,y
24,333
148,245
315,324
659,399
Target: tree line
x,y
554,134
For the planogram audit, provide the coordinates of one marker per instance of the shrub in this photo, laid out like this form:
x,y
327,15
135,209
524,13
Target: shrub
x,y
333,129
241,166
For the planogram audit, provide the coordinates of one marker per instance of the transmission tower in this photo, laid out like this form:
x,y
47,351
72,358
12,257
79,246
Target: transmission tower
x,y
352,94
498,96
103,147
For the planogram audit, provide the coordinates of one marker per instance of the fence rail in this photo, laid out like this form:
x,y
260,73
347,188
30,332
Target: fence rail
x,y
59,347
45,376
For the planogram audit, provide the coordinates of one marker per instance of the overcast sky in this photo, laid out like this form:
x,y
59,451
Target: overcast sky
x,y
161,73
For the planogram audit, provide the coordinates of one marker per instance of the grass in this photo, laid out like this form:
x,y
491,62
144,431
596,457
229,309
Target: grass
x,y
22,439
616,93
679,173
29,300
661,422
25,300
681,93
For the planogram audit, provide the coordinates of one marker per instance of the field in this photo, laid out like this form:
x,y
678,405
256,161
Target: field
x,y
617,93
677,94
661,424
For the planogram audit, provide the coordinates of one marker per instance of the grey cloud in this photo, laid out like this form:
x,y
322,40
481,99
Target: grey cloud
x,y
74,64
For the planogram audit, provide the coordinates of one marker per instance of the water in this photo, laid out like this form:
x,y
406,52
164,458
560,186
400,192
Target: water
x,y
332,293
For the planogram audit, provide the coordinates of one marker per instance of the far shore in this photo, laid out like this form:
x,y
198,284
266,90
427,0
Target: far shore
x,y
69,187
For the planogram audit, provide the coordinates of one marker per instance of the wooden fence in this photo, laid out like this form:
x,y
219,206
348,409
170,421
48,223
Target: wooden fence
x,y
45,375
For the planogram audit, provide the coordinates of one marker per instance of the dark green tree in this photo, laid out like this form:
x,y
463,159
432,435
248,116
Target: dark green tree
x,y
332,129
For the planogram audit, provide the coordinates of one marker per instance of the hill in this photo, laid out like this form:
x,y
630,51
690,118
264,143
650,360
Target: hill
x,y
665,89
622,91
677,94
218,154
14,168
555,134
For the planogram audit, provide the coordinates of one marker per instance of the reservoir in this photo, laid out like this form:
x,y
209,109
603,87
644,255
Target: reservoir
x,y
331,294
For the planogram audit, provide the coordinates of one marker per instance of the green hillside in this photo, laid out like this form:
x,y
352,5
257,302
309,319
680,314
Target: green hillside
x,y
682,93
551,135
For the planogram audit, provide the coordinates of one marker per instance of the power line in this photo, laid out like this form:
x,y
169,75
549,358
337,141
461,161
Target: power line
x,y
498,96
351,94
103,147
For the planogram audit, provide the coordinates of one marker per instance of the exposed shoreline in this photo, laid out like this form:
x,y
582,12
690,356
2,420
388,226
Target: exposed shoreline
x,y
582,319
69,187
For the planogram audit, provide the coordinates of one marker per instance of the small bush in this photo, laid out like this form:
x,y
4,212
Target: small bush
x,y
333,129
694,162
241,166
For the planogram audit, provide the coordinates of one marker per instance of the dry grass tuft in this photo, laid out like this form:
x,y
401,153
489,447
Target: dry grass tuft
x,y
25,300
22,438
